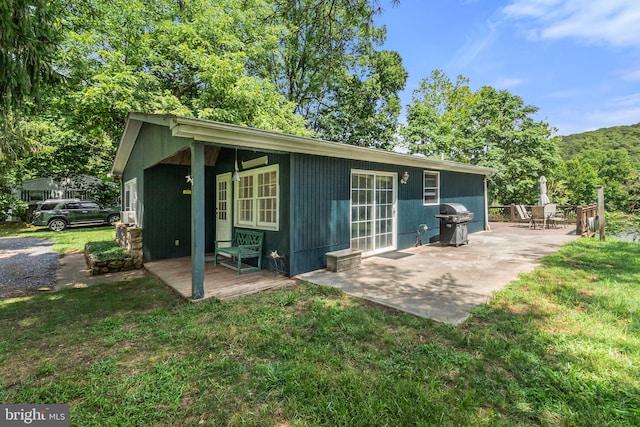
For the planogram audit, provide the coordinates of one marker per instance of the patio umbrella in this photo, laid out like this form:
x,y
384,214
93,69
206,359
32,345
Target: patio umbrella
x,y
544,199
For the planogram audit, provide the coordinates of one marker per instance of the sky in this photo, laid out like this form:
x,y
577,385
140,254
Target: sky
x,y
578,61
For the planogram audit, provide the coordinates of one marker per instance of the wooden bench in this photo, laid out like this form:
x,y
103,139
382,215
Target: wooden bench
x,y
343,260
247,244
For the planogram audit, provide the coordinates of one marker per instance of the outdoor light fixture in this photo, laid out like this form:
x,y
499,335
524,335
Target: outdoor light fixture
x,y
236,176
405,177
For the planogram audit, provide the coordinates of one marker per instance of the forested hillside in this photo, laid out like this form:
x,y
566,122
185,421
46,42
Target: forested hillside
x,y
627,137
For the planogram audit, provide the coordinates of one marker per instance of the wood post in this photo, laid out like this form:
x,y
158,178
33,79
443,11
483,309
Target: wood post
x,y
197,220
600,216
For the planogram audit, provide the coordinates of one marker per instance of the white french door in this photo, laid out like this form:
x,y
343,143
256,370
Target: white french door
x,y
223,208
373,211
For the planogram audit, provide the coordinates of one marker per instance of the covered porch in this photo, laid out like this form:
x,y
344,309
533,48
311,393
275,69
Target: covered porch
x,y
219,282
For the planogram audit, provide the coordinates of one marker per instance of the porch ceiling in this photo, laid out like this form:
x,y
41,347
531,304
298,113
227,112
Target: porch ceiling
x,y
183,157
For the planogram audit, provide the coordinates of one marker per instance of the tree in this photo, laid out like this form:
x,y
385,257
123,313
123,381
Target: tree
x,y
327,65
366,107
438,118
488,127
30,32
188,58
613,170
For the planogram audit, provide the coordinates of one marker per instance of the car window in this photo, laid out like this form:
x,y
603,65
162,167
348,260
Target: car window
x,y
47,206
71,206
90,205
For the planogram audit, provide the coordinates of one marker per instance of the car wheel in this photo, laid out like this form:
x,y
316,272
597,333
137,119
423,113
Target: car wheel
x,y
57,224
113,219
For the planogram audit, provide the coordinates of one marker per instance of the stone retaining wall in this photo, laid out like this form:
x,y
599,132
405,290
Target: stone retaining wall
x,y
108,266
130,238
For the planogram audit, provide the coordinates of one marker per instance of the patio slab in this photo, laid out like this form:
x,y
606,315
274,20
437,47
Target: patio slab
x,y
445,282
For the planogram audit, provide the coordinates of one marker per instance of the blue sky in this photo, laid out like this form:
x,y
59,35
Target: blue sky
x,y
578,61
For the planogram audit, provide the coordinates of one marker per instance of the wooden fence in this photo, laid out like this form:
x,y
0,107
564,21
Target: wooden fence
x,y
581,216
585,219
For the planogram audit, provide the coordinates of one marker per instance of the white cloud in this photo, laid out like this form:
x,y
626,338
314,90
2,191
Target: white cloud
x,y
563,94
508,83
618,111
613,22
632,74
627,101
475,46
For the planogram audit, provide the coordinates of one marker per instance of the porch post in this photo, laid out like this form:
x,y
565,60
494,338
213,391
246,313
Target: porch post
x,y
197,220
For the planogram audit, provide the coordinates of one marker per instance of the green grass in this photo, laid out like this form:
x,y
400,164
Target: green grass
x,y
71,239
560,346
106,250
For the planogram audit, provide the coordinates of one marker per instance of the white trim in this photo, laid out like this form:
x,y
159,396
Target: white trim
x,y
130,186
424,187
255,223
264,140
394,207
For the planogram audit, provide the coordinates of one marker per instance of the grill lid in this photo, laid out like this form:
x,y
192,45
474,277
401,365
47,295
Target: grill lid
x,y
453,209
454,213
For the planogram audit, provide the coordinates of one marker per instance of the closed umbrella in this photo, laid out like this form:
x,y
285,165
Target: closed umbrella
x,y
544,199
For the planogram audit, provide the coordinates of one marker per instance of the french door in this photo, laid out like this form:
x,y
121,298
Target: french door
x,y
373,211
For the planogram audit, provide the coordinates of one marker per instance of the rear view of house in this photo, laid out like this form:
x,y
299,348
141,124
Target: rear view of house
x,y
189,182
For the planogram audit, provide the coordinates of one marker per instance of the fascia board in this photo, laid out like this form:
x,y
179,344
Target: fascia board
x,y
223,133
129,137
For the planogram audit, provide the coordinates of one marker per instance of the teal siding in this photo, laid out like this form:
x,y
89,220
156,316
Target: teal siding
x,y
314,201
320,203
273,240
467,189
167,212
154,144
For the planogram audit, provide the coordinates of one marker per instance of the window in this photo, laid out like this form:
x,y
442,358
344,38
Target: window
x,y
256,201
431,194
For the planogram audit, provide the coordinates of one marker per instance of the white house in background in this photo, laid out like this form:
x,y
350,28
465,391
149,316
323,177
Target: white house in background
x,y
38,189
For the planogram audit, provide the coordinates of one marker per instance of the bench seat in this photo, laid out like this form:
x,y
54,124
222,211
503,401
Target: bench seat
x,y
247,244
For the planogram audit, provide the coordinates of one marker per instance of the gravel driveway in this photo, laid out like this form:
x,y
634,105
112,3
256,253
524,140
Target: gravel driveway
x,y
26,264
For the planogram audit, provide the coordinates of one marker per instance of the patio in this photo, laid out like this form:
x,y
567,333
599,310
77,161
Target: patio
x,y
445,282
439,282
219,282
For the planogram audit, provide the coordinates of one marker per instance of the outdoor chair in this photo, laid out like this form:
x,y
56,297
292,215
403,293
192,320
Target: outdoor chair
x,y
523,215
538,216
554,216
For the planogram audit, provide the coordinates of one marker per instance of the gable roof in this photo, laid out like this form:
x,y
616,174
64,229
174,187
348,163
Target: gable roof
x,y
259,139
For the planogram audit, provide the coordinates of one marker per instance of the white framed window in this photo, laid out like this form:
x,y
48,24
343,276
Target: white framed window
x,y
431,193
257,198
130,204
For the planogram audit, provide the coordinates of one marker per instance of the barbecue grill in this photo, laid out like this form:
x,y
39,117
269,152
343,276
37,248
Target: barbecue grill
x,y
453,224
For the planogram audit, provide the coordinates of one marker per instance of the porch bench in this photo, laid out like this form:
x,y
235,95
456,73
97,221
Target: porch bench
x,y
246,244
343,260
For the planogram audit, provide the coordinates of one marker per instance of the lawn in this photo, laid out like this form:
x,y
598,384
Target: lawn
x,y
67,240
560,346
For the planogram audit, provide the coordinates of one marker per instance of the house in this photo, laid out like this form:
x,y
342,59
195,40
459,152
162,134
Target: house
x,y
187,182
39,189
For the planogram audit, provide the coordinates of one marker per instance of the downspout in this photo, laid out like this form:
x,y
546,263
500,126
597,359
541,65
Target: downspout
x,y
486,205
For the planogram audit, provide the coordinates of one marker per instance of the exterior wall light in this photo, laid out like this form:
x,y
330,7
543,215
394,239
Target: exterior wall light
x,y
405,177
236,176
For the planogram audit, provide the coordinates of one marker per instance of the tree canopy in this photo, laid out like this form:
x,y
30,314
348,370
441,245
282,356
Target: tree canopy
x,y
487,127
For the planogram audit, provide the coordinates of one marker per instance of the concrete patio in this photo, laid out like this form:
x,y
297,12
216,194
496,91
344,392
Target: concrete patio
x,y
445,282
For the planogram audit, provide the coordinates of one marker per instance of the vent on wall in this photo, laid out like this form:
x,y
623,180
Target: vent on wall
x,y
260,161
